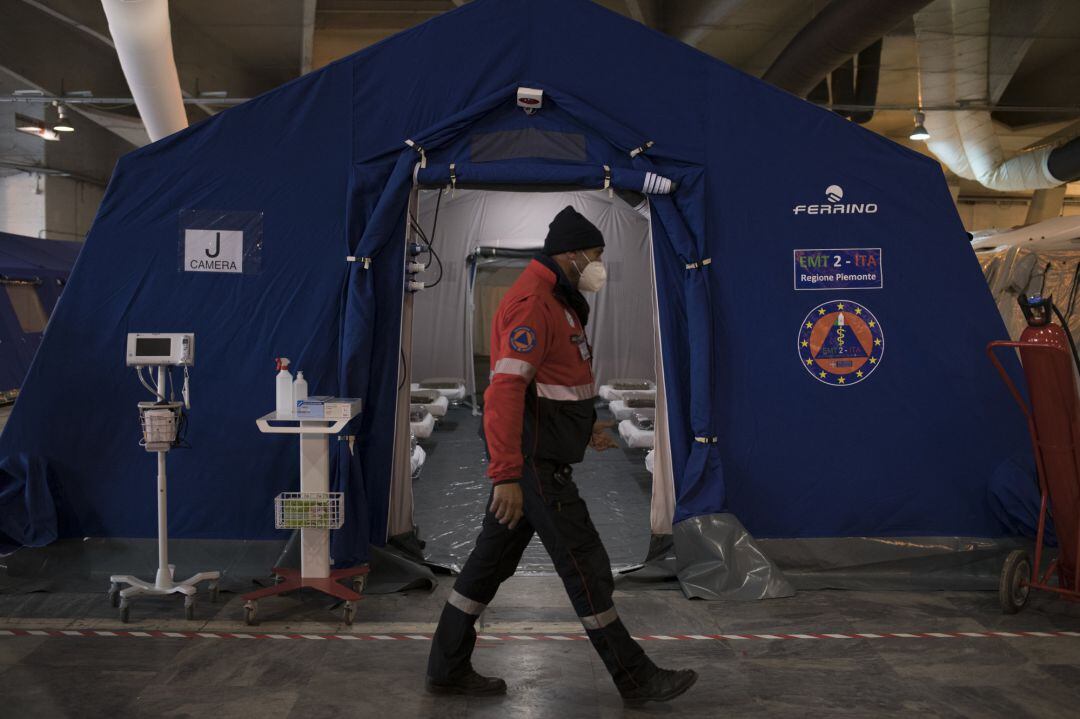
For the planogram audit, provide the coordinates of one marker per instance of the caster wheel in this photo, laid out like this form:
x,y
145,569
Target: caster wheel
x,y
1013,589
214,592
359,583
189,611
125,613
114,595
251,614
350,612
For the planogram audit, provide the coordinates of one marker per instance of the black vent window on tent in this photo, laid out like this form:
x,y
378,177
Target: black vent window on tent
x,y
529,142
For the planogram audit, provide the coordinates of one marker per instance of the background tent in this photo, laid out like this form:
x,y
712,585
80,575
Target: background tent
x,y
317,177
1043,258
33,273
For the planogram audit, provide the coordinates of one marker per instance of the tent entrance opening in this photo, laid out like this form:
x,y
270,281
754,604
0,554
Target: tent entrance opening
x,y
483,240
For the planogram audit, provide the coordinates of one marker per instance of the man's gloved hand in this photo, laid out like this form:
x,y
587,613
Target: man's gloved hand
x,y
508,503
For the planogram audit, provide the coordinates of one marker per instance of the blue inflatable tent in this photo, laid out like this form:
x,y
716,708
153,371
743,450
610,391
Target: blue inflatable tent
x,y
823,317
33,273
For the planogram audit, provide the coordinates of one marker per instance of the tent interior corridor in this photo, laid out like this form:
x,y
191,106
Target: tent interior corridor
x,y
481,240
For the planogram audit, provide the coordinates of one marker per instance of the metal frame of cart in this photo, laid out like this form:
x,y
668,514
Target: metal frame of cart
x,y
314,510
1018,575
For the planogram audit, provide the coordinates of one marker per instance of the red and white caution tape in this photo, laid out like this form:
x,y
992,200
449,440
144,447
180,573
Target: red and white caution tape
x,y
157,634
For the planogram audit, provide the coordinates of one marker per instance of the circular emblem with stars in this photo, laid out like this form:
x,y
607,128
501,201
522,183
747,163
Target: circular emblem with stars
x,y
840,343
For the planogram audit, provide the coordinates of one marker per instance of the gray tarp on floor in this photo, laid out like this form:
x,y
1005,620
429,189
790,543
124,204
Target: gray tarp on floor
x,y
716,558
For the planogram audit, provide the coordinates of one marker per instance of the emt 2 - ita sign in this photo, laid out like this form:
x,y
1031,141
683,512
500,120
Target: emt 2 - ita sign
x,y
214,251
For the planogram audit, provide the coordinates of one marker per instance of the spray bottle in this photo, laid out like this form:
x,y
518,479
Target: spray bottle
x,y
285,405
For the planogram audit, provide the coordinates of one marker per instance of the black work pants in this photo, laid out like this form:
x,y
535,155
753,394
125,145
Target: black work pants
x,y
555,511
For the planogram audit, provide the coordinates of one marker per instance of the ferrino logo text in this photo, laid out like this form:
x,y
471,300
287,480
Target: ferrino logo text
x,y
834,194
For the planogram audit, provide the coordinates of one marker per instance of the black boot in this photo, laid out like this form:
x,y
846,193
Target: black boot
x,y
664,686
471,684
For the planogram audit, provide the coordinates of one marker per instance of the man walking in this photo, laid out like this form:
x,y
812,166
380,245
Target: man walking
x,y
539,412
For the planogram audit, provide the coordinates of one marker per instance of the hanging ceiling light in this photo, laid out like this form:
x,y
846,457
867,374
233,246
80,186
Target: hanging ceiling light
x,y
919,132
62,122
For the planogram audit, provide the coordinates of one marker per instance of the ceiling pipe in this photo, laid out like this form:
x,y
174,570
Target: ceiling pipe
x,y
709,16
866,82
853,86
954,45
843,29
143,37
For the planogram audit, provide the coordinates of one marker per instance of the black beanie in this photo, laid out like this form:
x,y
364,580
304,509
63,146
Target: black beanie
x,y
570,231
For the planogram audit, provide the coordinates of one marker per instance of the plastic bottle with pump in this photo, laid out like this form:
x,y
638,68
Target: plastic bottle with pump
x,y
285,405
299,389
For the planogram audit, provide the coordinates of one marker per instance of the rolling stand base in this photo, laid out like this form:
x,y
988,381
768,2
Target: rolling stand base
x,y
291,581
164,585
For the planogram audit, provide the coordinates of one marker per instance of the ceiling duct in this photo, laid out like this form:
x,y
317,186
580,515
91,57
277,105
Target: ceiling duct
x,y
143,37
853,85
954,53
840,31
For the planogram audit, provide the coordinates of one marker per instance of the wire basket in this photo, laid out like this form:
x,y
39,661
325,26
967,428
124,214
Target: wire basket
x,y
158,427
309,510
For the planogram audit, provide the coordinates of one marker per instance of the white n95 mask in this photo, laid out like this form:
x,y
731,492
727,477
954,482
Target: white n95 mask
x,y
593,277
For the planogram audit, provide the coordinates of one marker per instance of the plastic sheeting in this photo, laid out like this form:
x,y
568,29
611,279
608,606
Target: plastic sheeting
x,y
451,494
896,563
416,460
718,559
850,563
1043,258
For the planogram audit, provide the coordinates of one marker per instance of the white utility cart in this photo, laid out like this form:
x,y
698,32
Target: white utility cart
x,y
314,510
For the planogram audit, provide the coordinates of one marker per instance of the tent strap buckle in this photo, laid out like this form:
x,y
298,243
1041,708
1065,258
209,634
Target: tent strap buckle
x,y
706,440
699,265
638,150
453,179
365,260
607,181
419,148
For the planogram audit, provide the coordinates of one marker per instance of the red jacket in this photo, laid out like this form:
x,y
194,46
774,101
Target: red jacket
x,y
541,400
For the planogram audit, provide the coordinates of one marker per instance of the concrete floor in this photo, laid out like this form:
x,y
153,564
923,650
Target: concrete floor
x,y
309,678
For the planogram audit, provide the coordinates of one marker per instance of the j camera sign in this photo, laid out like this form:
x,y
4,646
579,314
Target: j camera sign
x,y
214,251
835,205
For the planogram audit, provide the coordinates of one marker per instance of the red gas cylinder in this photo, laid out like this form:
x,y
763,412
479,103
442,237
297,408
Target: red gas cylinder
x,y
1051,380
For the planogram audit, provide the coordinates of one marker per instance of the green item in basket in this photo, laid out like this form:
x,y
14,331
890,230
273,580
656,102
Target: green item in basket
x,y
298,513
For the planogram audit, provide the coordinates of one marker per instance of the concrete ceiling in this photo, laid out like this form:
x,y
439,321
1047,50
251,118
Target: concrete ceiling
x,y
246,47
